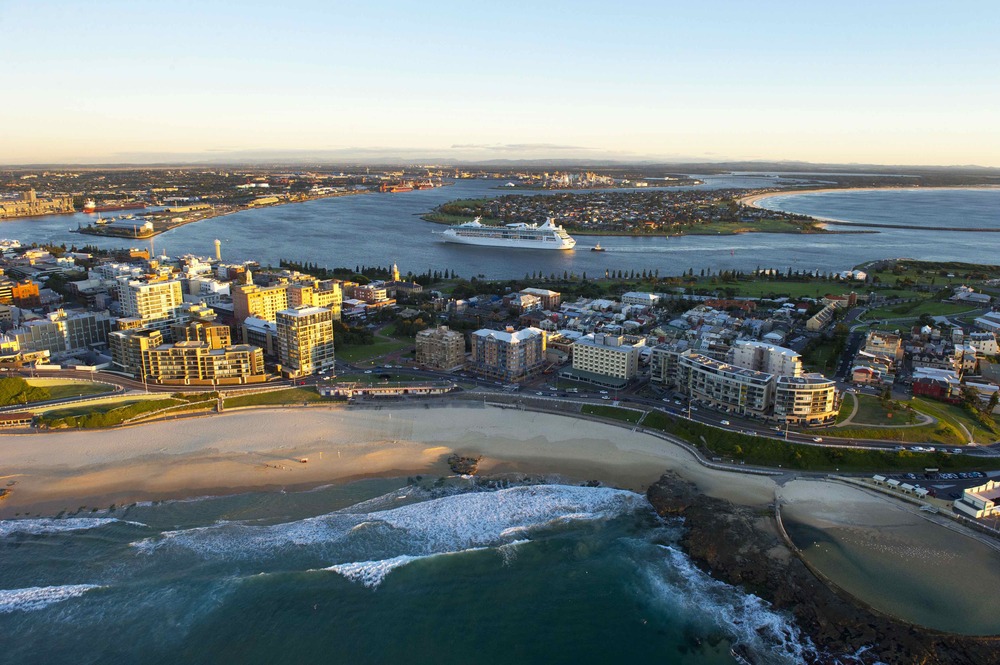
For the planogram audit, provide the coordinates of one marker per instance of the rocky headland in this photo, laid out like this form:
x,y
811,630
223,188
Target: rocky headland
x,y
743,546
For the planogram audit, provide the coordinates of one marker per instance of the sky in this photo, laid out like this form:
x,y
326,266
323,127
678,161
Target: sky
x,y
877,82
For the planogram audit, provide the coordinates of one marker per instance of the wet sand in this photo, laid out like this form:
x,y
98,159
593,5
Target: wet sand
x,y
893,557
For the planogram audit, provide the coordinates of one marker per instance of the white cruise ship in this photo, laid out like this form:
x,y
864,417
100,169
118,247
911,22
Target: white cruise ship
x,y
525,236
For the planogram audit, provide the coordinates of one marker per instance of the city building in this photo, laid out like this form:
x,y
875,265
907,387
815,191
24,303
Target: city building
x,y
806,400
305,340
258,332
316,293
154,303
640,298
262,302
550,299
29,205
198,363
604,360
981,501
723,386
765,358
440,348
508,355
60,332
127,347
989,322
217,336
985,343
803,399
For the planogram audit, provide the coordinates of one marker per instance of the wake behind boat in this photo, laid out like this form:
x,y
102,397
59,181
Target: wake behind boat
x,y
519,235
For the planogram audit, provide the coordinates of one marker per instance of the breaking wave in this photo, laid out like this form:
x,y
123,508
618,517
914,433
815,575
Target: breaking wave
x,y
447,524
750,622
372,573
39,597
57,525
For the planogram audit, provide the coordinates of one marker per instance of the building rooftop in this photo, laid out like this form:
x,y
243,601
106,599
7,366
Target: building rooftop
x,y
510,337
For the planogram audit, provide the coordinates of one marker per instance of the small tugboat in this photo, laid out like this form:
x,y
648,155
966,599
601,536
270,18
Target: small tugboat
x,y
597,248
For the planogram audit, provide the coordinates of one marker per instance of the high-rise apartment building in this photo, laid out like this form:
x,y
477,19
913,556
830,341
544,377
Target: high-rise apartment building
x,y
305,340
154,303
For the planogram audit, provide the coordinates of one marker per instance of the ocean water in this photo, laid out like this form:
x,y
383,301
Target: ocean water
x,y
379,229
375,572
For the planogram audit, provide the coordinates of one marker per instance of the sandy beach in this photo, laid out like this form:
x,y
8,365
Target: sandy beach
x,y
892,556
262,449
754,199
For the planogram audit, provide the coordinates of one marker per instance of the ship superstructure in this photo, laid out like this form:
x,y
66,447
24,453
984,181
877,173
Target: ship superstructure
x,y
520,235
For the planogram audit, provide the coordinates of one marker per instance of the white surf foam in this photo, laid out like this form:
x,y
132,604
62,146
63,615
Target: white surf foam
x,y
39,597
749,620
448,524
53,525
372,573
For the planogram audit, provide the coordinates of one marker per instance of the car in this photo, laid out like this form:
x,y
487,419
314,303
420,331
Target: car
x,y
956,451
723,422
665,400
604,392
538,393
677,402
368,371
605,397
693,408
818,439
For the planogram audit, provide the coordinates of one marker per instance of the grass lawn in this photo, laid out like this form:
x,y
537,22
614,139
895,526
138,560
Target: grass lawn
x,y
775,453
617,413
86,409
846,407
62,390
918,308
380,348
817,288
942,433
956,415
288,396
871,412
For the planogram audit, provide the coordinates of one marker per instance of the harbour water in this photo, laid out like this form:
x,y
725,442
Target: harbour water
x,y
375,571
378,229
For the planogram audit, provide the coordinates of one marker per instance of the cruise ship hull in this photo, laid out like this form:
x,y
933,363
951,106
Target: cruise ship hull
x,y
510,243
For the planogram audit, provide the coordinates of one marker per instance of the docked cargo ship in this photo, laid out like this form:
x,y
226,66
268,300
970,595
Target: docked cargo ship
x,y
523,236
392,189
110,206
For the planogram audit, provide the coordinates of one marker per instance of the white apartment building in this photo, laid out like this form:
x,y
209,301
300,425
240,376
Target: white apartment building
x,y
806,400
723,386
764,357
606,356
985,343
155,303
640,298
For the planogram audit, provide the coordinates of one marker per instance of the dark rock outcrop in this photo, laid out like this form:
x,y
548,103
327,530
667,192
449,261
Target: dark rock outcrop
x,y
741,545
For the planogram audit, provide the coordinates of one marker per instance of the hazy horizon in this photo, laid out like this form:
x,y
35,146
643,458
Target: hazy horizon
x,y
860,83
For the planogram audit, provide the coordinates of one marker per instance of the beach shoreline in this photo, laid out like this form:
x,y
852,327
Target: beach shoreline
x,y
262,450
753,200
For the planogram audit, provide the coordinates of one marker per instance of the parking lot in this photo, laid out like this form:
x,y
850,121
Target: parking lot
x,y
945,485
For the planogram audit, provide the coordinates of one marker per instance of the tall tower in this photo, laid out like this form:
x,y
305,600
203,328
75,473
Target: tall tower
x,y
395,273
218,249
